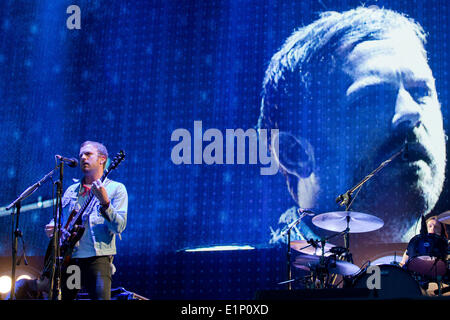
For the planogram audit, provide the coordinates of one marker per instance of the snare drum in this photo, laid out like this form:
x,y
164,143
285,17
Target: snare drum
x,y
396,283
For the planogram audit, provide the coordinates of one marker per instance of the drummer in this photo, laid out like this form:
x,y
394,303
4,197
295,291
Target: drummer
x,y
433,227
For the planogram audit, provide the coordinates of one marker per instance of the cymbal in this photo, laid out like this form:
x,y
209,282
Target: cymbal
x,y
337,221
304,247
444,217
308,262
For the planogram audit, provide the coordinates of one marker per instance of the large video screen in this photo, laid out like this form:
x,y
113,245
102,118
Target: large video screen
x,y
233,116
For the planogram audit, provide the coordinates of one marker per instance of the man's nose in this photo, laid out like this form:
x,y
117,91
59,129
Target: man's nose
x,y
407,111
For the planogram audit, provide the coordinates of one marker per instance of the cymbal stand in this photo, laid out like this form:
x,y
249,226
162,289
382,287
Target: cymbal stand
x,y
289,251
318,273
55,278
321,271
348,255
439,283
323,265
313,243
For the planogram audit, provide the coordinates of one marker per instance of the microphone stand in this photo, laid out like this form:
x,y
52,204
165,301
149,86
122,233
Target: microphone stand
x,y
55,275
16,231
289,251
346,198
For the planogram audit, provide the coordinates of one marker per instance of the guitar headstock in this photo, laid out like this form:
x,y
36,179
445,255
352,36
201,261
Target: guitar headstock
x,y
116,161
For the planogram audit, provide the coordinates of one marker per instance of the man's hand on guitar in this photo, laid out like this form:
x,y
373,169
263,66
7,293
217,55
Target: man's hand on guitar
x,y
100,192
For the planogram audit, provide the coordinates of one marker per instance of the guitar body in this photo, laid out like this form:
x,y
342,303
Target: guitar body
x,y
68,245
73,231
66,248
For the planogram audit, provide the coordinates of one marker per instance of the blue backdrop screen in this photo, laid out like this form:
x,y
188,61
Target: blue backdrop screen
x,y
134,73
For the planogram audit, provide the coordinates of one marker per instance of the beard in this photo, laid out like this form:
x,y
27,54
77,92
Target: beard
x,y
406,188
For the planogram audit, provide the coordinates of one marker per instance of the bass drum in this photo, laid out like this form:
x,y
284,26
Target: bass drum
x,y
396,283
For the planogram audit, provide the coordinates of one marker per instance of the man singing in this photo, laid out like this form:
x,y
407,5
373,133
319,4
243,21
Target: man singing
x,y
346,93
105,218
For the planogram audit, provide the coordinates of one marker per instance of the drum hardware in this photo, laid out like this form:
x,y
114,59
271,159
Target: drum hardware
x,y
347,222
318,266
439,283
439,286
397,281
338,250
431,287
324,260
330,264
395,262
429,267
323,268
318,248
312,247
287,231
428,262
328,259
440,291
427,255
344,222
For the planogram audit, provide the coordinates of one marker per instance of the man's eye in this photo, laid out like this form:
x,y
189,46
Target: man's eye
x,y
419,93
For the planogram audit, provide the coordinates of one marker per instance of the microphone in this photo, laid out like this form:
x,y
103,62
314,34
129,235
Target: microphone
x,y
308,212
71,162
345,197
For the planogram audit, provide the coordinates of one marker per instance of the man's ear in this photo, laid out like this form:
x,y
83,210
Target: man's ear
x,y
295,155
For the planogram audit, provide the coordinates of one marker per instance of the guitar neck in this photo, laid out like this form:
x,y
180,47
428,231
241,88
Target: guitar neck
x,y
88,201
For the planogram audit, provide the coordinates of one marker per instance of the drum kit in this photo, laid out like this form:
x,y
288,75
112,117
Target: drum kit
x,y
325,261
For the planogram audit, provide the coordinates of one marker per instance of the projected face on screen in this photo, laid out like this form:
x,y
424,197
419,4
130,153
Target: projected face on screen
x,y
348,92
408,112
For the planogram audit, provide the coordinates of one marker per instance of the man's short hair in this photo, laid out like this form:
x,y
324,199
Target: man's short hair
x,y
101,149
311,54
